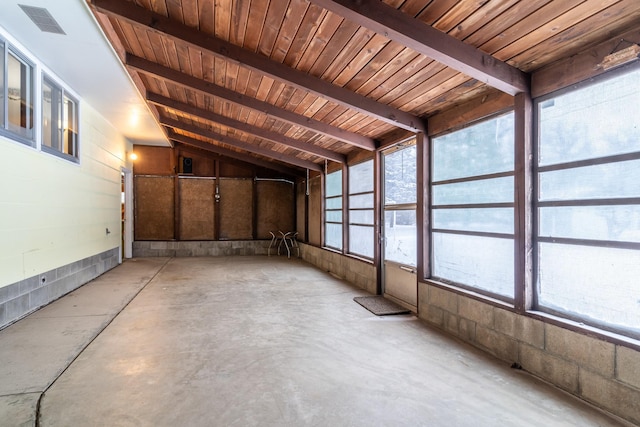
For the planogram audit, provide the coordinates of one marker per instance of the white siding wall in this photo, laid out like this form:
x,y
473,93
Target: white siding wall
x,y
54,212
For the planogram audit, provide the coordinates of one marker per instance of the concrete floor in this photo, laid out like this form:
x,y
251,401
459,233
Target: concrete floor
x,y
248,341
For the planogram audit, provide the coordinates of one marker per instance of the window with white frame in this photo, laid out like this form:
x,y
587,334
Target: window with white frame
x,y
59,120
361,213
333,210
587,240
473,207
17,97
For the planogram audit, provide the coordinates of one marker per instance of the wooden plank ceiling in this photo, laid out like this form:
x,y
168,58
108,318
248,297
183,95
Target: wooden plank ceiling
x,y
300,82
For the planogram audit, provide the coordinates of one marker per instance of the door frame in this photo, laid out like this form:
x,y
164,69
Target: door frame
x,y
126,251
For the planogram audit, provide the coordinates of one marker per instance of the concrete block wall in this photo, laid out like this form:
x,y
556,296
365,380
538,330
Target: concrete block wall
x,y
200,248
600,372
360,273
21,298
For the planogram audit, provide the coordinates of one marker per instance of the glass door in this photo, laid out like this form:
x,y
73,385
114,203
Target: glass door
x,y
399,252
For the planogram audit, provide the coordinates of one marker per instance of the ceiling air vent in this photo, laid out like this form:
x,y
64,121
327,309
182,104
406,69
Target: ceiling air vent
x,y
42,18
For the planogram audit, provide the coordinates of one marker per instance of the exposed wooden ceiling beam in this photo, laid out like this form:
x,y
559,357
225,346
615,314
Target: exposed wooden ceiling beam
x,y
245,158
122,9
193,83
224,139
417,35
268,135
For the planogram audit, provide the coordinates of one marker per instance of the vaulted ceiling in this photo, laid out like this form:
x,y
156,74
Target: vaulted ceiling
x,y
301,82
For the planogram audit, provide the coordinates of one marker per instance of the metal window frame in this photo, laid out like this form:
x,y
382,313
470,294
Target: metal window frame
x,y
537,170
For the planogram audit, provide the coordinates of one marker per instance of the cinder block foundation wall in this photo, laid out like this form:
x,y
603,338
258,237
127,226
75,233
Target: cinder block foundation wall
x,y
21,298
360,273
199,248
600,372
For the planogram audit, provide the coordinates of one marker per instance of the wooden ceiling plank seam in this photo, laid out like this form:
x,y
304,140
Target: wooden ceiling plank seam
x,y
191,12
437,79
158,6
174,11
322,88
222,16
458,13
206,16
257,150
523,26
275,16
289,29
435,10
374,46
380,80
590,30
432,94
244,127
433,43
487,13
323,35
205,146
337,44
255,24
345,58
423,69
304,35
236,26
382,58
184,80
413,8
551,29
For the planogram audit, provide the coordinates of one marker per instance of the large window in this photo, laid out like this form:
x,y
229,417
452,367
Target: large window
x,y
473,207
17,84
333,210
361,213
588,203
59,120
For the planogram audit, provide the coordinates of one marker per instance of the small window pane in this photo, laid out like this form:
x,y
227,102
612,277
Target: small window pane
x,y
361,217
480,262
620,179
334,216
51,115
613,223
70,127
20,96
400,177
495,190
361,201
587,289
361,177
487,148
491,220
595,121
333,235
334,184
400,237
333,203
361,240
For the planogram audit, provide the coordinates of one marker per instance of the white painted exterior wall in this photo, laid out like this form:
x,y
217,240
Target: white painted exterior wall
x,y
54,212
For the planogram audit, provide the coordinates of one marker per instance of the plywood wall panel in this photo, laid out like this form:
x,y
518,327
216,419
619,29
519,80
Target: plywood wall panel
x,y
236,209
275,207
154,208
196,208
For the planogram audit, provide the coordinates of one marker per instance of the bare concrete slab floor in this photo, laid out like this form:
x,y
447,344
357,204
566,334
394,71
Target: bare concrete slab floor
x,y
270,341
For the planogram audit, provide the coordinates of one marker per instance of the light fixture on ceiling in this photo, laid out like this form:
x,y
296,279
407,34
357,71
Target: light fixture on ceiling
x,y
43,19
622,56
133,156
